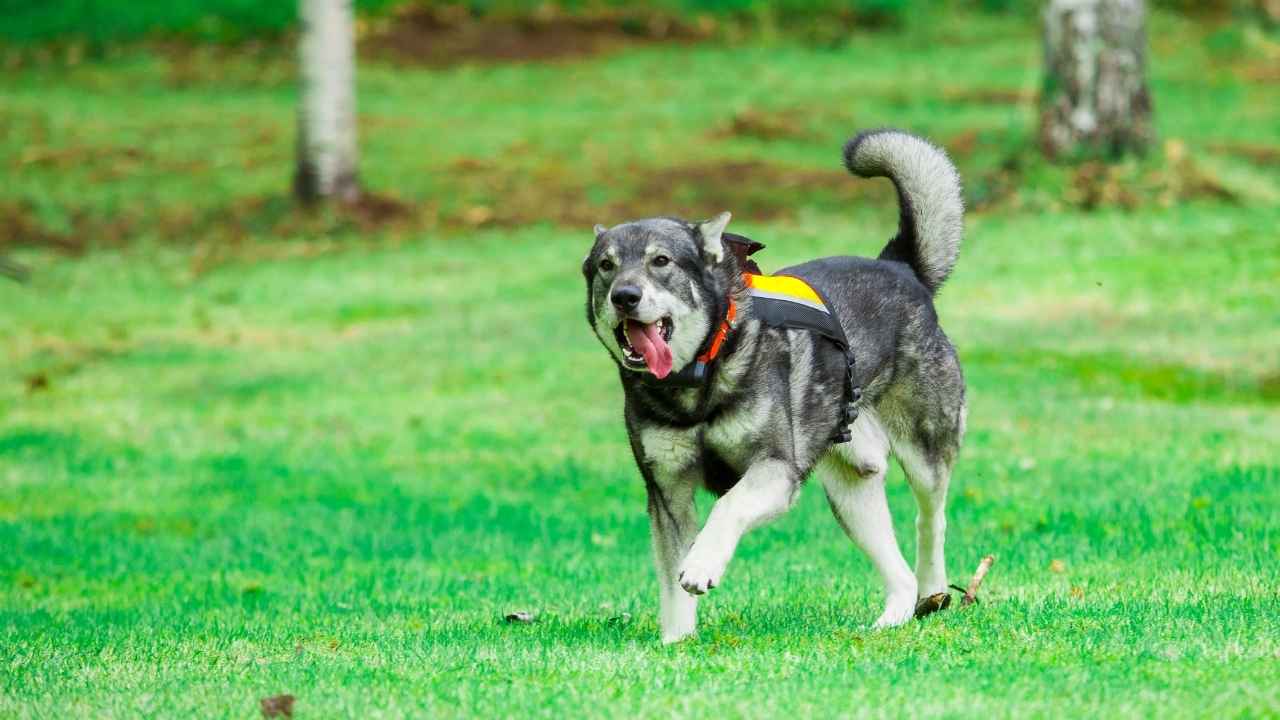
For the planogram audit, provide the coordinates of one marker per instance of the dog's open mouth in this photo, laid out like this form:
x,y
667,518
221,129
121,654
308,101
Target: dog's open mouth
x,y
644,345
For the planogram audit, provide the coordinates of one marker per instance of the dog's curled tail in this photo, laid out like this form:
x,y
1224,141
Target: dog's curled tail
x,y
931,210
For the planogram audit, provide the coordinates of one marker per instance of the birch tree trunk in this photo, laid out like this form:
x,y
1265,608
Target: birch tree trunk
x,y
1095,99
326,117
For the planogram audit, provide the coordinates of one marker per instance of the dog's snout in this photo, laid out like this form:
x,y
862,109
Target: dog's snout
x,y
626,297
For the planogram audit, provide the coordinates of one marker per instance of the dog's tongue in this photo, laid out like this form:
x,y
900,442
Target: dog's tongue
x,y
648,340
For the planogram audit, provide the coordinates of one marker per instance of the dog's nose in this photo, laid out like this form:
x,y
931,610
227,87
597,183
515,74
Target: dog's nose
x,y
626,297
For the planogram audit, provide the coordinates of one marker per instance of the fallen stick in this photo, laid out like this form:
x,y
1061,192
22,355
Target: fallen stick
x,y
971,595
942,601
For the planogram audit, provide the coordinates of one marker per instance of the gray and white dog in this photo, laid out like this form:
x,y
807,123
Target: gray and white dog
x,y
764,415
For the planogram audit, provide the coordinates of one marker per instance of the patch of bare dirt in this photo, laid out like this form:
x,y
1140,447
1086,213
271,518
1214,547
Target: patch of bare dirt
x,y
763,125
62,158
376,210
102,163
989,96
1267,73
21,225
1096,185
751,189
252,64
480,193
1179,178
1128,184
445,36
1267,156
277,706
422,34
962,144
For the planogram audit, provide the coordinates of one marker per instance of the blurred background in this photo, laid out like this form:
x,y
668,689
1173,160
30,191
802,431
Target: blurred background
x,y
176,121
294,375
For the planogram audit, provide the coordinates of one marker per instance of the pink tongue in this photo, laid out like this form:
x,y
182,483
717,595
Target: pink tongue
x,y
648,340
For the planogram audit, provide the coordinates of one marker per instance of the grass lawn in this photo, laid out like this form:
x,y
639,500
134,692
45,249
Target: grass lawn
x,y
246,453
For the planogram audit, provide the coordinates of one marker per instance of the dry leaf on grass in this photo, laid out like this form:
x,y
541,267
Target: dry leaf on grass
x,y
277,706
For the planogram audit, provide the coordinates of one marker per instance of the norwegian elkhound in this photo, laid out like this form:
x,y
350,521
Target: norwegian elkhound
x,y
764,408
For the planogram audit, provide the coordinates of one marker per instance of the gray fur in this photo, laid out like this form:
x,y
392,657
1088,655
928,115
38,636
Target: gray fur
x,y
761,421
932,217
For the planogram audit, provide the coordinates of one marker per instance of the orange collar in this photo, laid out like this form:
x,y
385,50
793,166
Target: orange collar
x,y
694,372
721,333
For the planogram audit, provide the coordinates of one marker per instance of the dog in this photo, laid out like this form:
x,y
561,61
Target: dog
x,y
762,411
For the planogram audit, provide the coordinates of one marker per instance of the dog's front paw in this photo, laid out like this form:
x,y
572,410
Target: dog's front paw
x,y
674,636
898,609
698,576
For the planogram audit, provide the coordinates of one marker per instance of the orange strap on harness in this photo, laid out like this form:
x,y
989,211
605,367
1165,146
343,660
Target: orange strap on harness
x,y
780,301
718,339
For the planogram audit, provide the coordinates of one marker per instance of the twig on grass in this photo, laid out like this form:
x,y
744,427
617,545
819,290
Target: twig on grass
x,y
942,601
971,595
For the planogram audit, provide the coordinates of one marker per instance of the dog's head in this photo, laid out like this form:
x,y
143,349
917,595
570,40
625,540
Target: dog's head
x,y
652,289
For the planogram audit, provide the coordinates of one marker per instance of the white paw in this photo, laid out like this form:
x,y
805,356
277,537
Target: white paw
x,y
678,617
675,636
697,576
898,609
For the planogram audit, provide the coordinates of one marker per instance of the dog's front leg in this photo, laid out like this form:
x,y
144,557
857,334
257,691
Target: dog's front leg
x,y
766,491
673,520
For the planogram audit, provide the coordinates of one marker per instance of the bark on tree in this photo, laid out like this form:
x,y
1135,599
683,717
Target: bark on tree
x,y
326,116
1095,99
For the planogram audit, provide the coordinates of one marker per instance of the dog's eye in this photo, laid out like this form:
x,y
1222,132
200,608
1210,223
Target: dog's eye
x,y
661,261
606,265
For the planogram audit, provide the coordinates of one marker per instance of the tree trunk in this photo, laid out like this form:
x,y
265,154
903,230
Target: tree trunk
x,y
326,117
1270,11
1095,99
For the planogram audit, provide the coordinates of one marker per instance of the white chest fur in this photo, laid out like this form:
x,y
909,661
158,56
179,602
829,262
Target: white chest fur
x,y
733,436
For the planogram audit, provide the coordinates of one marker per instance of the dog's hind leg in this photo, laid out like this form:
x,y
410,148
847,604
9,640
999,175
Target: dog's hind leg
x,y
928,474
673,522
927,451
853,476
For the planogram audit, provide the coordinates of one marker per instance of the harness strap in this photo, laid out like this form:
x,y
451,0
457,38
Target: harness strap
x,y
694,373
784,301
721,333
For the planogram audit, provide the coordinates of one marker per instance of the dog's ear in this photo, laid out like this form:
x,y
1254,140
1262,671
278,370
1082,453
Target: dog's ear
x,y
709,232
598,230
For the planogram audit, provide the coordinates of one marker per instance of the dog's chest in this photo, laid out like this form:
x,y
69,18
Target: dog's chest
x,y
735,433
722,447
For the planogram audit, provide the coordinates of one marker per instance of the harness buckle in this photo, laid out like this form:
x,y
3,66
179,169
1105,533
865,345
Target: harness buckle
x,y
848,408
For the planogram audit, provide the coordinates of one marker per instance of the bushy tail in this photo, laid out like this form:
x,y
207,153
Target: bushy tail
x,y
931,219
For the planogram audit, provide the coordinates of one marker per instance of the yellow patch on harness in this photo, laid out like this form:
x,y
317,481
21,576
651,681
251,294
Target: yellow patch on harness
x,y
782,287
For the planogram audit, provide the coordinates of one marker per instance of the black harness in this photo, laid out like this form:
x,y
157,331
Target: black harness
x,y
779,301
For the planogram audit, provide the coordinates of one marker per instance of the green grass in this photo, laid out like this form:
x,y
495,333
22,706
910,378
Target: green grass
x,y
305,458
102,23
